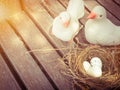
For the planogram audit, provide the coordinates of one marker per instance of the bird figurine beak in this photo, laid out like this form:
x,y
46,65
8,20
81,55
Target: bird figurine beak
x,y
46,2
92,15
66,23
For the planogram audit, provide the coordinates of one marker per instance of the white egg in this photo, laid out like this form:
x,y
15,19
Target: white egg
x,y
86,65
96,61
94,68
96,71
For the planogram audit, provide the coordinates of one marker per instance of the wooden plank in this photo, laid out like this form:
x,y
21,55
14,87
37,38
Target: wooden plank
x,y
91,4
111,6
44,21
117,2
54,7
7,81
8,8
64,2
24,64
48,59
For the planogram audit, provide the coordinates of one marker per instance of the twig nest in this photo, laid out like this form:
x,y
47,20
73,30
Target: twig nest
x,y
110,57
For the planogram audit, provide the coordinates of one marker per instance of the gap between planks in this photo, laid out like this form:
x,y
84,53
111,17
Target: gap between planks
x,y
7,80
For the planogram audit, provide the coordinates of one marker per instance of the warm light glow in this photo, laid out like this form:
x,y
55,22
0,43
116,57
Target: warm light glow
x,y
8,8
3,12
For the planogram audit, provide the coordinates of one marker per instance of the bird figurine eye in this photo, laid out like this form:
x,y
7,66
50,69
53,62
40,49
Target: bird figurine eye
x,y
101,15
61,18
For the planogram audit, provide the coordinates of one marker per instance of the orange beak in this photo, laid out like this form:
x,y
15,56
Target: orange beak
x,y
92,15
46,1
66,23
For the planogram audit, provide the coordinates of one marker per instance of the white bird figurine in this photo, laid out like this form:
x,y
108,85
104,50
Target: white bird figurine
x,y
76,8
65,27
100,30
94,68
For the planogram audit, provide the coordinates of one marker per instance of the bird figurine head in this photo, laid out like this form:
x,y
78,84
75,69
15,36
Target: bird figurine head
x,y
98,12
65,19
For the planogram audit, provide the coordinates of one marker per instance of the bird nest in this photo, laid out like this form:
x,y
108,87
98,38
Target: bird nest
x,y
110,57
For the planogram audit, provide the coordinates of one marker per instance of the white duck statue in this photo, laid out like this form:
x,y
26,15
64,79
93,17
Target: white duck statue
x,y
100,30
65,27
66,24
94,68
76,8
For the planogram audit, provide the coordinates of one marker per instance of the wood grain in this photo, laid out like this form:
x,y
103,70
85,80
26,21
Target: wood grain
x,y
117,2
54,7
44,21
9,7
7,81
23,63
64,2
49,59
111,6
